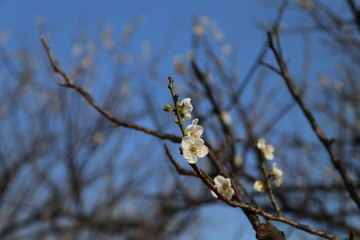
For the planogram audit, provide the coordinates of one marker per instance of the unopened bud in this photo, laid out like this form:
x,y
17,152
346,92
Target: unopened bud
x,y
168,108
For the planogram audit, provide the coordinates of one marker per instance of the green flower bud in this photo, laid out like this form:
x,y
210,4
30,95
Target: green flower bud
x,y
168,108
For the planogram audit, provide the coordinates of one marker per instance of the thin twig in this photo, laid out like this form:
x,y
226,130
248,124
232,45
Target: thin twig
x,y
269,188
271,67
178,168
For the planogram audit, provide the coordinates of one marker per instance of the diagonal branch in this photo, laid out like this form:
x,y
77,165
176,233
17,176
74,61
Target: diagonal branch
x,y
68,82
262,230
179,169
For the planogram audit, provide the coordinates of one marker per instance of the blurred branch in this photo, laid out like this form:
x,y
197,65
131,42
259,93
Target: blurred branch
x,y
338,164
355,11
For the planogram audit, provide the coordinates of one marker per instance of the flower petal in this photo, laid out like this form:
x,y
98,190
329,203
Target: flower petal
x,y
218,180
204,150
195,121
214,194
261,143
192,159
187,142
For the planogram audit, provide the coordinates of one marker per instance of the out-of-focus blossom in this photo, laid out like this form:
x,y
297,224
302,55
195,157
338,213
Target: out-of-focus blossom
x,y
267,150
77,49
259,186
198,30
339,86
226,117
238,161
226,49
277,175
204,20
98,138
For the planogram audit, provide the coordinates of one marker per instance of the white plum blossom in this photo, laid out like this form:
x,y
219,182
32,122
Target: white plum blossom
x,y
267,150
226,117
238,161
259,186
193,148
198,30
185,108
277,175
223,186
194,130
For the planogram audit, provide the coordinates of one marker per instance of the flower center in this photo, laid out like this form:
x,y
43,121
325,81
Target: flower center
x,y
193,149
225,188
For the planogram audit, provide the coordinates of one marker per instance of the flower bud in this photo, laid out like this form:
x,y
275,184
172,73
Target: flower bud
x,y
168,108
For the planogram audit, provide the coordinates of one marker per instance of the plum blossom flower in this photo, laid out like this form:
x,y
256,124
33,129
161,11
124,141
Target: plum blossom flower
x,y
185,108
277,175
226,117
259,186
267,150
223,186
193,148
198,30
238,161
194,130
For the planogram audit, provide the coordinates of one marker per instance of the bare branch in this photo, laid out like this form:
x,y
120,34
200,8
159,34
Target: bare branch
x,y
337,163
70,83
179,169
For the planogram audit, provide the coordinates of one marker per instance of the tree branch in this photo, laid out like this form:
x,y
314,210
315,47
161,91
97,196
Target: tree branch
x,y
337,163
70,84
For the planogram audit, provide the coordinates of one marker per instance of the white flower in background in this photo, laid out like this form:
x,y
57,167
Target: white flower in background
x,y
226,117
226,49
223,186
259,186
198,30
185,108
277,175
193,148
98,138
194,130
204,20
267,150
77,49
238,161
339,86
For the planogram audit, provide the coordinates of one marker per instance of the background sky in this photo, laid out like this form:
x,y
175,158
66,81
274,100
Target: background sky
x,y
165,26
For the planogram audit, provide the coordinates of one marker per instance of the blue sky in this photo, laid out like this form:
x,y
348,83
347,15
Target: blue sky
x,y
237,19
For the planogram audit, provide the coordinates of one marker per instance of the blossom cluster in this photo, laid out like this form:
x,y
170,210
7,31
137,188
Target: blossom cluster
x,y
276,174
193,145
